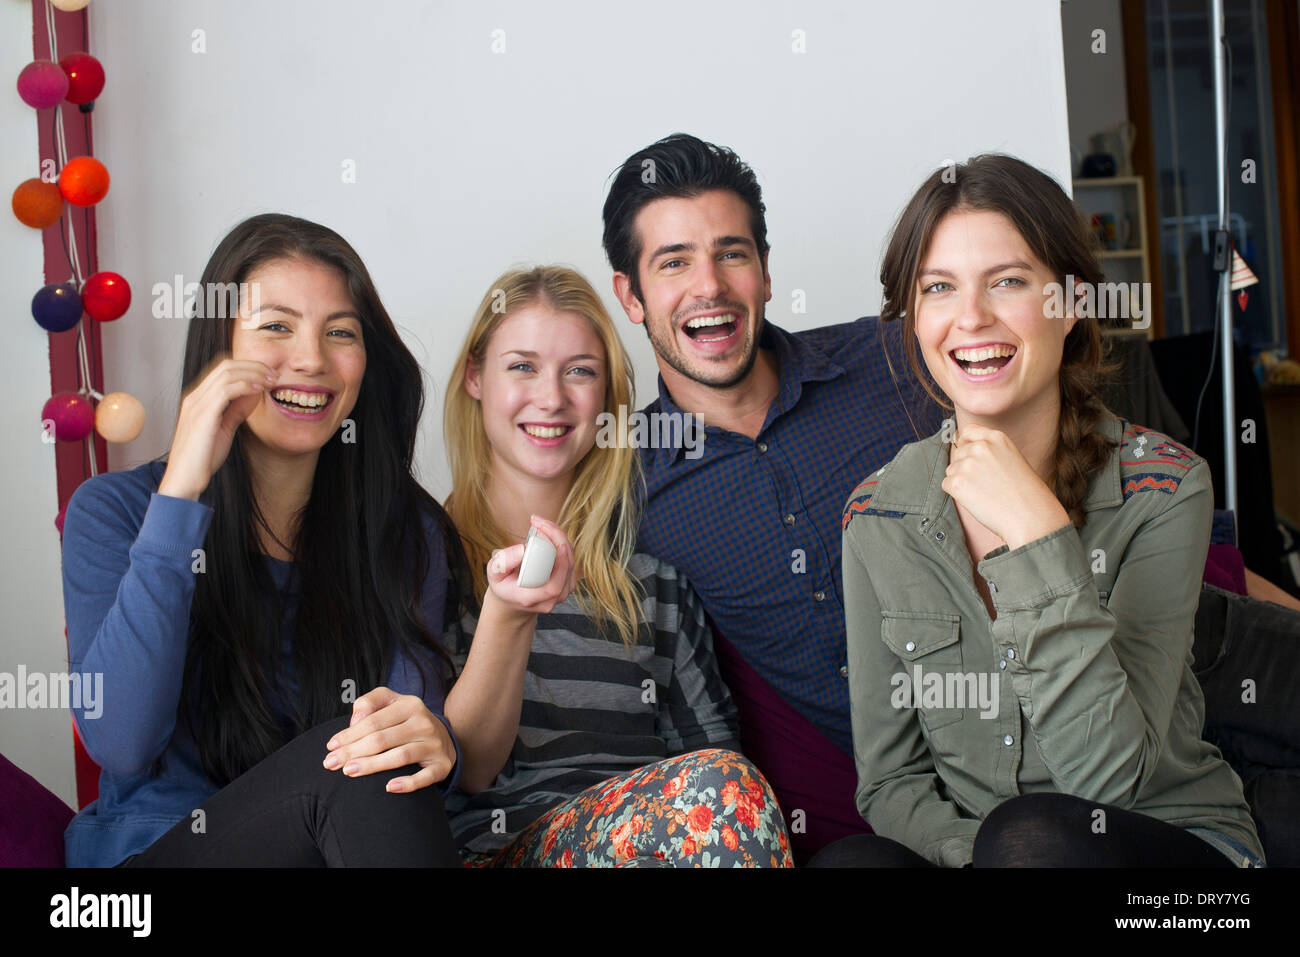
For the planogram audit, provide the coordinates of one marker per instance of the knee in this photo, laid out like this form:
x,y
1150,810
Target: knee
x,y
726,772
1055,822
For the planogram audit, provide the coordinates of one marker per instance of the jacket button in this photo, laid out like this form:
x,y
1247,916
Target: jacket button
x,y
844,671
1002,665
910,646
819,595
1011,653
789,519
939,536
1008,741
993,587
924,523
762,446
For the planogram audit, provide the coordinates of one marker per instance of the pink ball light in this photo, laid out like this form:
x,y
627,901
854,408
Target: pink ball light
x,y
42,84
72,415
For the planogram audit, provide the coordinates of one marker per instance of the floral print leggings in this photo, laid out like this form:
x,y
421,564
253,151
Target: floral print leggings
x,y
707,808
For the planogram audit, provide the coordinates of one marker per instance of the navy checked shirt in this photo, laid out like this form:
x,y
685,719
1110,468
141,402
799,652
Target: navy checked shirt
x,y
755,523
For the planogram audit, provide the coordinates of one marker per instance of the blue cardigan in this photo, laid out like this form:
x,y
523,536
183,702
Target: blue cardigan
x,y
127,588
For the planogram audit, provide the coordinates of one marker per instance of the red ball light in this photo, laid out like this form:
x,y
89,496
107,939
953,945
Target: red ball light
x,y
37,204
105,296
83,181
72,415
85,77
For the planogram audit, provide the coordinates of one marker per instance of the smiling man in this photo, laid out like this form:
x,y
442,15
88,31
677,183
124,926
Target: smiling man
x,y
793,421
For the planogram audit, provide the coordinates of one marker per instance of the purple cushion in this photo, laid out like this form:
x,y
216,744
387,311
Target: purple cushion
x,y
1225,568
807,772
32,820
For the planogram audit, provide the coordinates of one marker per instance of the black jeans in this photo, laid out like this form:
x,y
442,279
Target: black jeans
x,y
289,811
1247,659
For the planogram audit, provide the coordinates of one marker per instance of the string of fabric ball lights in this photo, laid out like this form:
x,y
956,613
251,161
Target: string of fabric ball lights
x,y
81,181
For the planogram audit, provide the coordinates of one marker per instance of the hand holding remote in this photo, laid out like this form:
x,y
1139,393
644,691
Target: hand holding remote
x,y
536,576
538,561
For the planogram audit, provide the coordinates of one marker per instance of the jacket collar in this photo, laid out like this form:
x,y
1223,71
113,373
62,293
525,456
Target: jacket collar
x,y
913,481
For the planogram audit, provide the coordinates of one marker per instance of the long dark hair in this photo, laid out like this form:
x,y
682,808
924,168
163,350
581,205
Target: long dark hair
x,y
1056,233
360,550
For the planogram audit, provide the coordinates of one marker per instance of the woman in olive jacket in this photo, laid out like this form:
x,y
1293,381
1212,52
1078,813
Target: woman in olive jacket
x,y
1021,587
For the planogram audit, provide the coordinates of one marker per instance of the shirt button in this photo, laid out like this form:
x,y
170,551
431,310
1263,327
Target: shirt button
x,y
1002,665
910,646
789,519
1008,741
819,595
762,446
844,671
1011,653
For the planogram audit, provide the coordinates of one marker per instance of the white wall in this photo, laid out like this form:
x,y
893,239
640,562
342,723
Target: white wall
x,y
31,596
469,161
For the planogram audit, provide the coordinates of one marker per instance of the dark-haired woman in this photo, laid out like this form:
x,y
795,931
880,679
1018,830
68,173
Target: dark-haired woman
x,y
1021,587
279,577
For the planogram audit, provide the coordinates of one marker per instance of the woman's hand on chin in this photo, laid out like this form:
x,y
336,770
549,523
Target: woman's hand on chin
x,y
989,478
391,730
210,414
503,574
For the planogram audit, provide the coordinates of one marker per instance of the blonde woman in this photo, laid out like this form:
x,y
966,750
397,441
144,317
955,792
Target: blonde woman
x,y
614,736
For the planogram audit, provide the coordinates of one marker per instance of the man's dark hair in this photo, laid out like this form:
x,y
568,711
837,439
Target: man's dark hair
x,y
680,165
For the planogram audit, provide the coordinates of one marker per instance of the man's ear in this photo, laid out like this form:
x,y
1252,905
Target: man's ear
x,y
767,279
472,376
631,304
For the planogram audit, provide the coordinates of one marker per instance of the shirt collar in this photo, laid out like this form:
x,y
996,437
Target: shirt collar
x,y
797,362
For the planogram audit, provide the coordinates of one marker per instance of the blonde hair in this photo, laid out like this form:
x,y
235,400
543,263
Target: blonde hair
x,y
599,514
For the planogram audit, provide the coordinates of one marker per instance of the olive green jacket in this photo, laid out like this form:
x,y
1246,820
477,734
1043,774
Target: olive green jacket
x,y
1082,684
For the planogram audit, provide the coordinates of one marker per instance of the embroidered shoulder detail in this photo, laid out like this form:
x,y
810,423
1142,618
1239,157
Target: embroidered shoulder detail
x,y
860,502
1150,461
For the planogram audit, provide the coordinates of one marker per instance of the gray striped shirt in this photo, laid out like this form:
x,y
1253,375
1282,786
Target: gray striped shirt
x,y
592,708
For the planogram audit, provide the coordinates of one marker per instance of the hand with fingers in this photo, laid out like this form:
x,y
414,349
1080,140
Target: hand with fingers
x,y
990,478
388,731
503,573
210,414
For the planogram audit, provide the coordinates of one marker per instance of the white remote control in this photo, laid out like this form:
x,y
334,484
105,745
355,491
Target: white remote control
x,y
539,560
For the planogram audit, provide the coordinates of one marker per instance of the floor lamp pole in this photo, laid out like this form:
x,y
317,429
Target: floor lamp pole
x,y
1223,260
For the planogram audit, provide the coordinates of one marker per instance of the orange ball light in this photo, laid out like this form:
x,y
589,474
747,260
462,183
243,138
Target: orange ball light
x,y
83,181
37,204
119,417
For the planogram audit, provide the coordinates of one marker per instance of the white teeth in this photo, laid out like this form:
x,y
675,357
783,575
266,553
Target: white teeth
x,y
309,400
704,321
546,432
986,352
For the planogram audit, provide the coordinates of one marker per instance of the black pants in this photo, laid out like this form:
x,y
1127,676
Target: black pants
x,y
289,811
1047,830
1247,659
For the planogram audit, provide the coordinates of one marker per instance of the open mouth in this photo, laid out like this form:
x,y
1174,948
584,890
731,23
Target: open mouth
x,y
547,432
712,328
304,403
984,360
